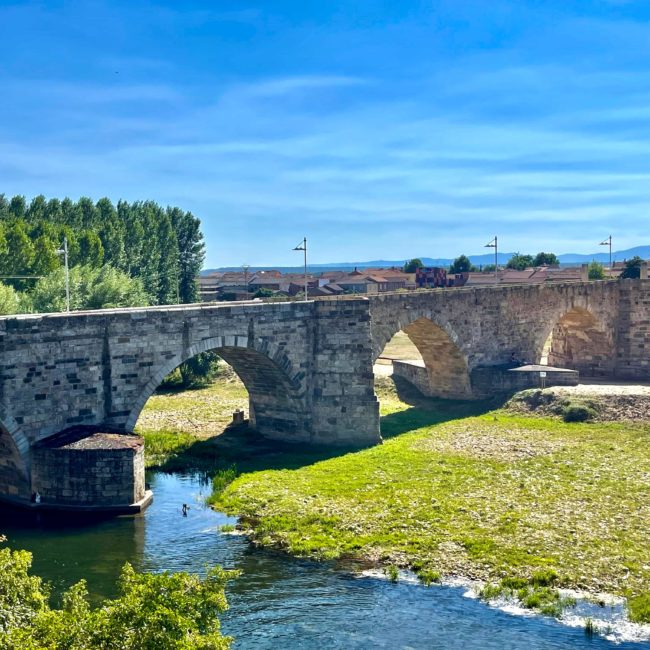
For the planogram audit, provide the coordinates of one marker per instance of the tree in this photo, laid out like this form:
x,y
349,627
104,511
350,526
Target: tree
x,y
18,255
632,269
166,610
111,233
37,209
191,252
90,288
91,251
520,262
461,265
412,265
596,271
9,303
263,292
18,207
546,259
46,258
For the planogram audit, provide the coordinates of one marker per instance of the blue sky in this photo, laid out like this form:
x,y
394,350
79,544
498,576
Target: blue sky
x,y
378,129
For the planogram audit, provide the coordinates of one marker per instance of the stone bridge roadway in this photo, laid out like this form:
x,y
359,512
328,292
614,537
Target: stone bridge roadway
x,y
307,366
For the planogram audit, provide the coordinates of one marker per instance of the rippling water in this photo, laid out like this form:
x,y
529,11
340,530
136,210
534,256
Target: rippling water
x,y
279,602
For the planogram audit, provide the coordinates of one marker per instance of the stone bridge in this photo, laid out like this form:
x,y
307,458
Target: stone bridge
x,y
307,366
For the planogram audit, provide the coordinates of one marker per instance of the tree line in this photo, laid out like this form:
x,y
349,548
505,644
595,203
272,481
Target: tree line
x,y
131,254
519,262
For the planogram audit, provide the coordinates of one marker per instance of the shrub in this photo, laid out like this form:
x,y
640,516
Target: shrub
x,y
391,572
163,610
639,608
428,576
574,412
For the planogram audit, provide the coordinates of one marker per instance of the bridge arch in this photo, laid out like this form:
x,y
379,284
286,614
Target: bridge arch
x,y
14,461
443,370
276,390
579,340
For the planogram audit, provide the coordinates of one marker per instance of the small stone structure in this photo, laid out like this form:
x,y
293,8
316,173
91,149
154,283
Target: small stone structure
x,y
97,470
308,366
489,381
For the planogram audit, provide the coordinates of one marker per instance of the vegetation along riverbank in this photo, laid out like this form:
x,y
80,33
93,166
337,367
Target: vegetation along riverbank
x,y
525,504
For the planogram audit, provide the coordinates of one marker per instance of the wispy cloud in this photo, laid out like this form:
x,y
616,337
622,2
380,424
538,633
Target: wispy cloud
x,y
519,138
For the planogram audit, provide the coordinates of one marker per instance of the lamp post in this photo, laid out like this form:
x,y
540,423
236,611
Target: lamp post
x,y
64,251
494,244
246,267
303,247
608,242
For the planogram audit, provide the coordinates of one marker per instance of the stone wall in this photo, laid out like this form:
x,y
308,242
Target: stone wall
x,y
599,328
487,381
100,470
307,365
344,403
13,472
633,335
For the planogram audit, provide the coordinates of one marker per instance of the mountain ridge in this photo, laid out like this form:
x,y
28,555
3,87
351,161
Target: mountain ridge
x,y
485,258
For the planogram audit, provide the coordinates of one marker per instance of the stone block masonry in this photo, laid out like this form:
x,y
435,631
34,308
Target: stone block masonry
x,y
307,365
81,468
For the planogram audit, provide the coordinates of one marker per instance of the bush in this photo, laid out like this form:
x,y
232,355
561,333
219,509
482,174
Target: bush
x,y
163,610
9,300
639,608
574,412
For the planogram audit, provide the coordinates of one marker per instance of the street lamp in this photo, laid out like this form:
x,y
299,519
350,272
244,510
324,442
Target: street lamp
x,y
246,267
303,247
608,242
494,244
64,251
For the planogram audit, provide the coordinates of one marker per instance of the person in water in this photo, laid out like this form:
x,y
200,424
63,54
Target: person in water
x,y
185,509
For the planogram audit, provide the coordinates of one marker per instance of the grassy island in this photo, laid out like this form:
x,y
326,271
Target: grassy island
x,y
456,489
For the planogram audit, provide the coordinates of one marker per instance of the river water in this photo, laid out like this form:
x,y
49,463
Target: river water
x,y
279,602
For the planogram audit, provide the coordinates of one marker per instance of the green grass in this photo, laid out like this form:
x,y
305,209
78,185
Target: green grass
x,y
455,489
639,608
481,496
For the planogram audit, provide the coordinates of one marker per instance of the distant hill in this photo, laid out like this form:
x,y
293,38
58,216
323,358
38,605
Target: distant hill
x,y
567,259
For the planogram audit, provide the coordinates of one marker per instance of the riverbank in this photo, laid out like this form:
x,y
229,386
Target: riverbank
x,y
453,492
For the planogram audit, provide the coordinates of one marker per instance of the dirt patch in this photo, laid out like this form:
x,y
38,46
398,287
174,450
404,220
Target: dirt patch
x,y
484,441
606,403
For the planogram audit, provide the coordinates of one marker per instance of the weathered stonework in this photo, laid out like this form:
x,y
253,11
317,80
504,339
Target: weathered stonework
x,y
307,365
89,469
598,328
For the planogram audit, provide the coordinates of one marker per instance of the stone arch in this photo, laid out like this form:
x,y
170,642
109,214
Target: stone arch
x,y
577,339
14,461
276,390
446,370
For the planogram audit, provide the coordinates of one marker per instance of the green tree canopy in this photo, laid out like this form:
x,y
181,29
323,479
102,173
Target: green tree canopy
x,y
162,246
632,268
9,300
90,288
412,265
596,271
177,611
520,262
461,264
546,259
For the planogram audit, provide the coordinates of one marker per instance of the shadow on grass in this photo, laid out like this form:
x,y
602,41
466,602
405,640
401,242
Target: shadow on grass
x,y
247,450
428,411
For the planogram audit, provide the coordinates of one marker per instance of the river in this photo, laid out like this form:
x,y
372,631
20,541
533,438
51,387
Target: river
x,y
279,602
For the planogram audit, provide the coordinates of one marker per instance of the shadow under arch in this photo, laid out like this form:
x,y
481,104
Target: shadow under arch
x,y
578,340
446,372
276,392
14,467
